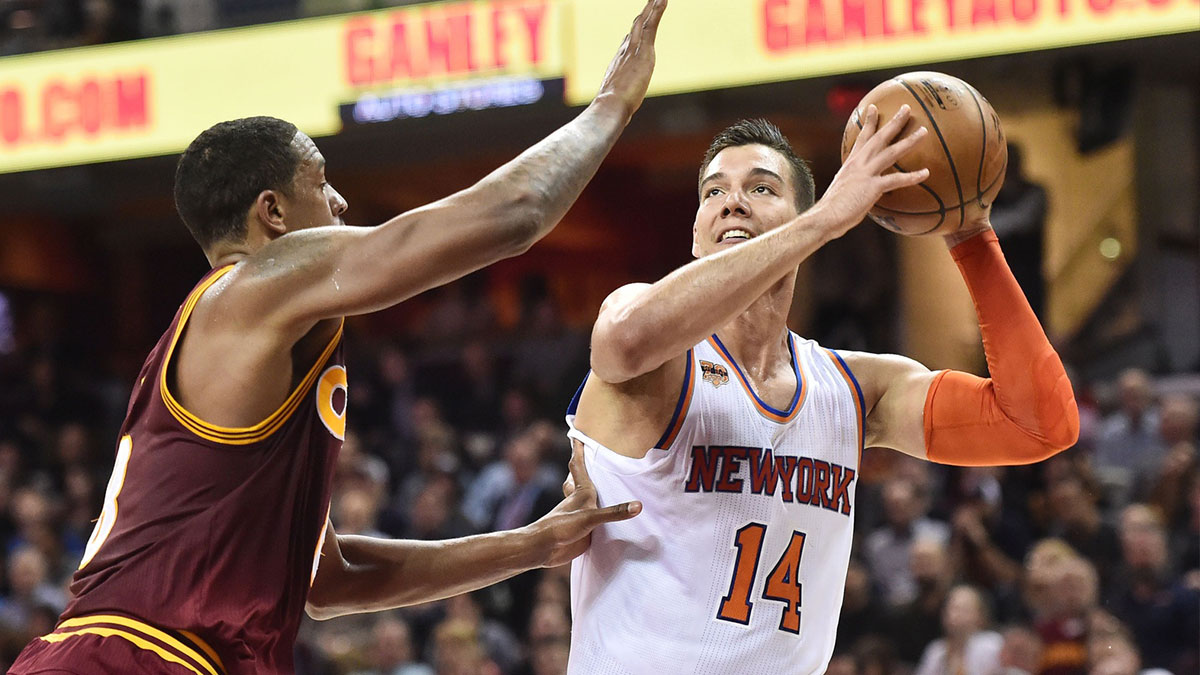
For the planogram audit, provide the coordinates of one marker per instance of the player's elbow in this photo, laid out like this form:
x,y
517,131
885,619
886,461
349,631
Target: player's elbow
x,y
319,612
521,223
1065,433
618,354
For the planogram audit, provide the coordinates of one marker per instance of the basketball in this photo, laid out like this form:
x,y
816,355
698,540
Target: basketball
x,y
964,151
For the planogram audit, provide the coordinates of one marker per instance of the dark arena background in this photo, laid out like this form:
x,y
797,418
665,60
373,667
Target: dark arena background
x,y
1088,562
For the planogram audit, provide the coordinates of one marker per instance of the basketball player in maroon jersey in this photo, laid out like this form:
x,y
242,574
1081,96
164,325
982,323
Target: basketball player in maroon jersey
x,y
214,537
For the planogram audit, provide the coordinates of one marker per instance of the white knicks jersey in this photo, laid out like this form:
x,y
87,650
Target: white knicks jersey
x,y
738,560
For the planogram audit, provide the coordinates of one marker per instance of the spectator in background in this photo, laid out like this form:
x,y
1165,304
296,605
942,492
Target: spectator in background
x,y
434,514
887,549
549,354
1115,654
862,612
1162,614
391,650
1129,443
968,648
1075,518
1061,591
1019,218
30,588
988,541
914,624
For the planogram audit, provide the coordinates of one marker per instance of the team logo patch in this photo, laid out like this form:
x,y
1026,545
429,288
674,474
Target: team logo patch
x,y
714,373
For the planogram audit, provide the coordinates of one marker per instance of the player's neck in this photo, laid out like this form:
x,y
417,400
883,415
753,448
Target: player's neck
x,y
757,338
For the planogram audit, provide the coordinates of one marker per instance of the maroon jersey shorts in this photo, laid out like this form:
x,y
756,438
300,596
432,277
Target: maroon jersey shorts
x,y
115,645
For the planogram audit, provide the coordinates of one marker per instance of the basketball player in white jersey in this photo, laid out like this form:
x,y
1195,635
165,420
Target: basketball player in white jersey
x,y
742,440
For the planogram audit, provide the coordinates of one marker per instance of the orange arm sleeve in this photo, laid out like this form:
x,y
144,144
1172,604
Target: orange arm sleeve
x,y
1025,412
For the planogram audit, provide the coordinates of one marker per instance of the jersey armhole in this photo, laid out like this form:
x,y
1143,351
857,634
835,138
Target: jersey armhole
x,y
682,405
856,392
233,435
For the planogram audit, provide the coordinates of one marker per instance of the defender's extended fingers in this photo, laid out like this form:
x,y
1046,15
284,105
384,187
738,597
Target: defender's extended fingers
x,y
579,474
612,514
568,486
653,19
639,23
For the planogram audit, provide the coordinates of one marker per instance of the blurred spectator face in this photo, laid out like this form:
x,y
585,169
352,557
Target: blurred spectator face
x,y
516,408
1133,388
549,621
1042,569
80,487
73,446
523,456
963,615
858,587
356,512
1143,540
1178,420
928,562
391,644
30,509
431,509
26,570
901,504
1022,650
457,650
477,361
393,366
554,589
1069,501
464,608
1076,587
10,460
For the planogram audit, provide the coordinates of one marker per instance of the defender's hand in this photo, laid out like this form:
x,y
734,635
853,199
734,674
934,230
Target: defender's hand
x,y
567,530
862,180
629,73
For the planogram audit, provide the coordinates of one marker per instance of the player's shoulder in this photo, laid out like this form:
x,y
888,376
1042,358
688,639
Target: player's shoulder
x,y
624,293
875,372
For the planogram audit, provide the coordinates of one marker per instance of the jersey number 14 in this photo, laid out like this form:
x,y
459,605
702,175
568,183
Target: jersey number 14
x,y
783,582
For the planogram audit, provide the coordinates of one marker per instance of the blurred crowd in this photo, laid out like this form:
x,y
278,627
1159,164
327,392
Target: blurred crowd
x,y
1086,563
38,25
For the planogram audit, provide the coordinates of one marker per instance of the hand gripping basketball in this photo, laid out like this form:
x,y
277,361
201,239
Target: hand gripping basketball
x,y
866,173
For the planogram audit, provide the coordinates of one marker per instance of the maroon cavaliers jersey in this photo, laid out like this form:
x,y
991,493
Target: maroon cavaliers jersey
x,y
213,532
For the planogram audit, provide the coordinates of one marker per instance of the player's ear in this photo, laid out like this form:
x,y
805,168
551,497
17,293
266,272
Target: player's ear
x,y
269,210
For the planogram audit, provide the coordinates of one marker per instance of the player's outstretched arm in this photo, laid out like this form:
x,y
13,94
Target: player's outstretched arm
x,y
365,574
1024,413
310,275
642,326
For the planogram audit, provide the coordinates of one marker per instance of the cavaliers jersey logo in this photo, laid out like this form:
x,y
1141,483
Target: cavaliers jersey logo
x,y
714,373
332,380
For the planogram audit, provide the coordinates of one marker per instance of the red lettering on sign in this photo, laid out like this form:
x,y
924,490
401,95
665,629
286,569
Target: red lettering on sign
x,y
401,62
1100,6
854,19
983,13
888,28
498,38
449,42
952,12
132,108
814,23
919,27
90,111
55,98
10,116
1024,11
360,65
532,18
775,28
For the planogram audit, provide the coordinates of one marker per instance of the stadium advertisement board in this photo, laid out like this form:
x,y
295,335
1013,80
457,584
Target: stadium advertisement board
x,y
153,96
723,43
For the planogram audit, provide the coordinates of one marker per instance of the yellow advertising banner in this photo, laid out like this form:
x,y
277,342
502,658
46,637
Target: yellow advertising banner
x,y
707,44
152,97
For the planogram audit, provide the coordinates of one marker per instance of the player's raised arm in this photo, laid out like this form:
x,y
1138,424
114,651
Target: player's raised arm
x,y
365,574
642,326
321,273
1024,413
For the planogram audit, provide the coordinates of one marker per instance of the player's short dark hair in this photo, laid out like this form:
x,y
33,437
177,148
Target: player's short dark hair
x,y
223,171
762,132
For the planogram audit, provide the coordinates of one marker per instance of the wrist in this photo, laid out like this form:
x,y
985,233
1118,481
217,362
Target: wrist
x,y
608,105
970,232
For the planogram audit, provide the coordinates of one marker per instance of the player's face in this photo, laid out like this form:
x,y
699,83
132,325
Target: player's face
x,y
746,191
313,202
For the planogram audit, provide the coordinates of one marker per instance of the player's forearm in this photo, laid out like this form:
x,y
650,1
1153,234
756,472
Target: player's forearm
x,y
692,302
381,574
1025,412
